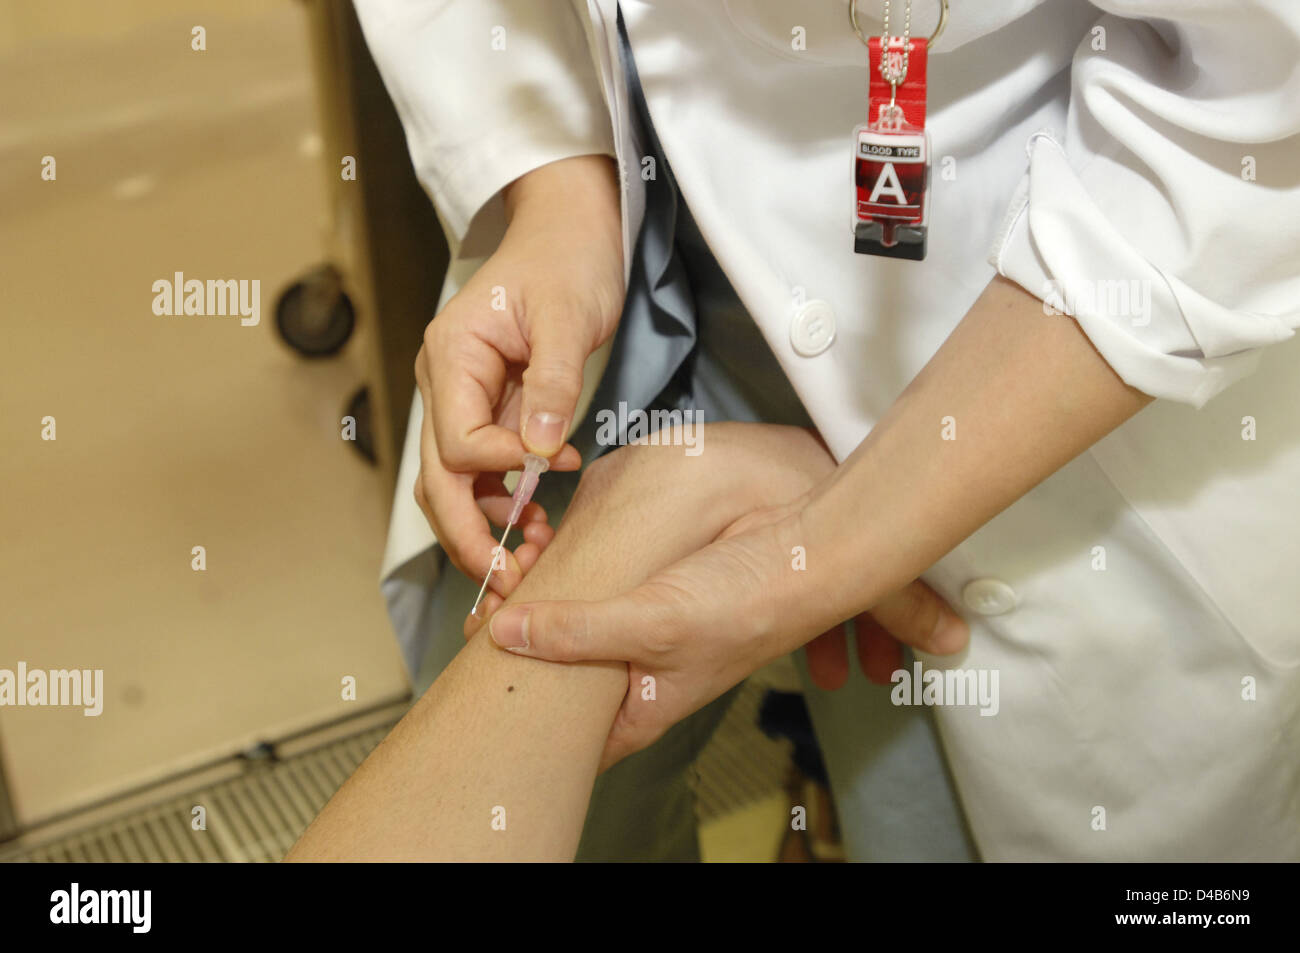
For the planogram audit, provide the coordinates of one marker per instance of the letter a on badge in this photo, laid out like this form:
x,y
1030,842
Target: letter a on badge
x,y
888,184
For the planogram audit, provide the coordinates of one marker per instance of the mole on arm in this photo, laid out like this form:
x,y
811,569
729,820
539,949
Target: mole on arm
x,y
510,688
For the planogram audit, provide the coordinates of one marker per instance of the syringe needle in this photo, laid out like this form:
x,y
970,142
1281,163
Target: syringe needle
x,y
500,549
534,467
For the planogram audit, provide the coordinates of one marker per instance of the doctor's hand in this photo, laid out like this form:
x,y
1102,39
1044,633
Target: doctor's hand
x,y
500,370
915,615
695,629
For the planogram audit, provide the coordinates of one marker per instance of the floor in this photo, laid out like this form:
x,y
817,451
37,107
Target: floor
x,y
169,160
741,779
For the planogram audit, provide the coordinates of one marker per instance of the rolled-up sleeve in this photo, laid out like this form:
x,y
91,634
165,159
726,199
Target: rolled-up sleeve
x,y
1166,217
487,90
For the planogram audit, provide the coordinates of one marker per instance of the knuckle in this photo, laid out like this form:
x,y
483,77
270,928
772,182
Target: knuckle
x,y
554,368
426,493
658,644
424,373
661,637
455,455
565,630
432,332
439,341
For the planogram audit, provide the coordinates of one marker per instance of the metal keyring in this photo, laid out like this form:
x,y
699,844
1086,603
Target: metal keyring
x,y
943,21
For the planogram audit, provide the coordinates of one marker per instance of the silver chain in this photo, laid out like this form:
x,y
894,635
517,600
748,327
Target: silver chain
x,y
943,21
895,77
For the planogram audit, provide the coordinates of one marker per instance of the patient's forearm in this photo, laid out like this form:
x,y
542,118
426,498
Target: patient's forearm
x,y
523,738
497,740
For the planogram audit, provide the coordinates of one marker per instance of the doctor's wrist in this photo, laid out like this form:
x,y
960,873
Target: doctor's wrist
x,y
792,600
580,191
564,242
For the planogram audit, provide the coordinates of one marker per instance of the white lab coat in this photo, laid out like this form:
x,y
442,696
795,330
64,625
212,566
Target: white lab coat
x,y
1141,607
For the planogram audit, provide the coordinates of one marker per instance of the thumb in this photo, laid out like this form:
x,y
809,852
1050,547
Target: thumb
x,y
570,631
552,383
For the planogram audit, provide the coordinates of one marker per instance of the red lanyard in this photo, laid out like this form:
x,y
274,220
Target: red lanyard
x,y
891,165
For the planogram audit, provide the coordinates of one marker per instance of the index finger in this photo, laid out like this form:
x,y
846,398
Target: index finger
x,y
462,529
466,377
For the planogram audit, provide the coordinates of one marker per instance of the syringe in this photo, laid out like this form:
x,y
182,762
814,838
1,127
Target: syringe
x,y
534,467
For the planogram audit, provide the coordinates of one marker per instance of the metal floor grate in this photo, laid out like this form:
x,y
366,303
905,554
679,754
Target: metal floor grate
x,y
254,817
258,815
740,764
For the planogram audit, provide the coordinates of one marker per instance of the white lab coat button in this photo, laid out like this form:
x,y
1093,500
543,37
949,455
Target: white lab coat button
x,y
813,329
989,597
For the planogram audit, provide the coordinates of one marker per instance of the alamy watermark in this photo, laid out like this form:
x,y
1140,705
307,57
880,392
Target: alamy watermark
x,y
214,297
53,688
133,908
1126,298
668,428
947,688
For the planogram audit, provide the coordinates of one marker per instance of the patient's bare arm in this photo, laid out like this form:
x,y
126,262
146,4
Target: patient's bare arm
x,y
498,758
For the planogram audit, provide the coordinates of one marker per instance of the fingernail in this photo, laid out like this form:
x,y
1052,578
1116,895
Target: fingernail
x,y
948,636
509,628
545,431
